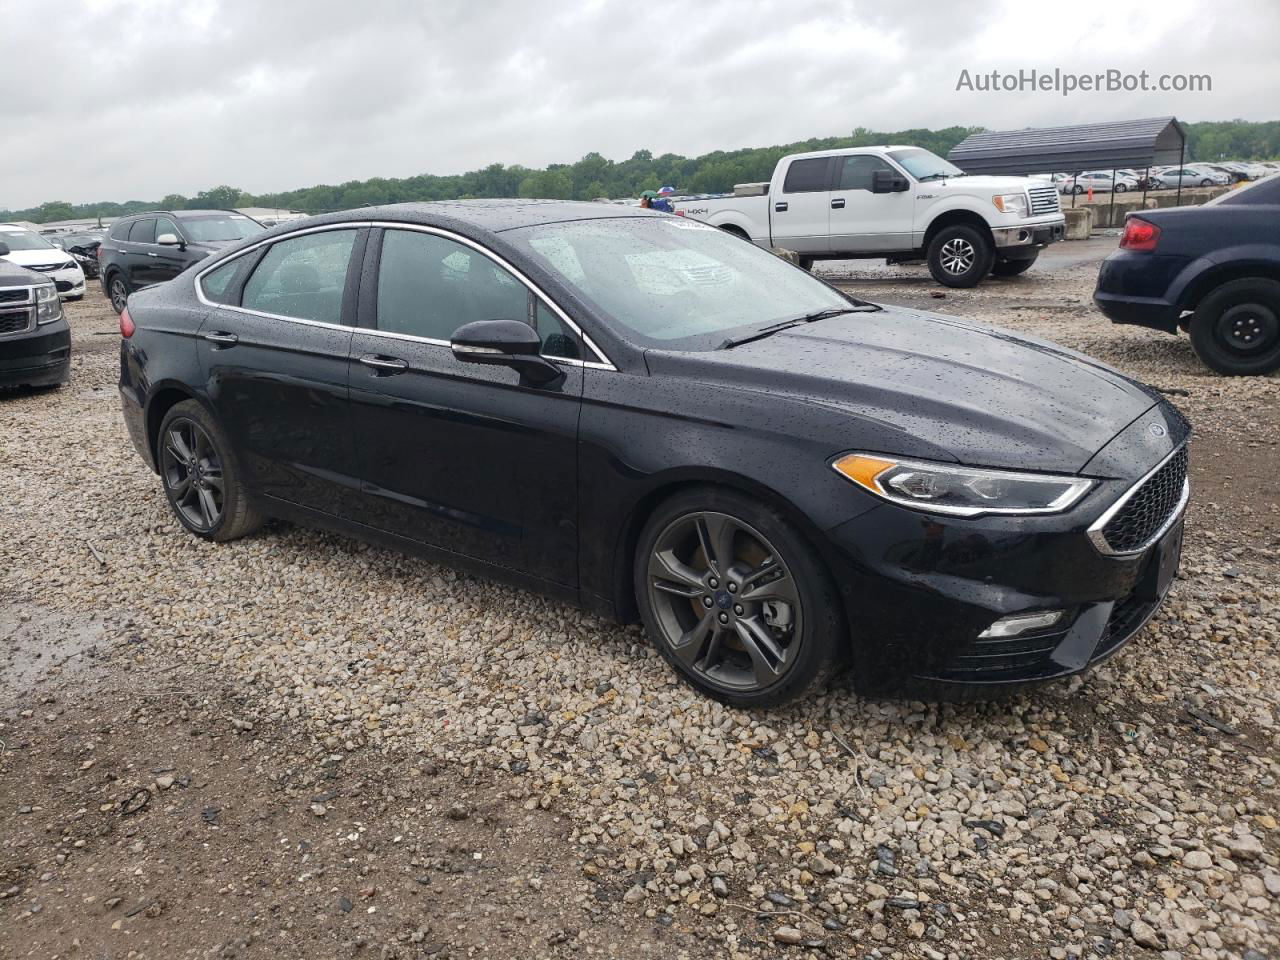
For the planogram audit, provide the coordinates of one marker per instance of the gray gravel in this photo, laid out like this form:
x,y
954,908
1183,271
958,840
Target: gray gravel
x,y
1128,813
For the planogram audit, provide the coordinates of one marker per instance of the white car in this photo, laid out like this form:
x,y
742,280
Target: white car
x,y
1100,181
34,252
1192,177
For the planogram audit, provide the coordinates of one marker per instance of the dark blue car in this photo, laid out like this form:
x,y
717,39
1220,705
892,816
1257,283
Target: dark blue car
x,y
1210,271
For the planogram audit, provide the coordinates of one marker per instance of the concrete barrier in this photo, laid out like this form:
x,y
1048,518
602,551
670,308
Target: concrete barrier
x,y
1079,222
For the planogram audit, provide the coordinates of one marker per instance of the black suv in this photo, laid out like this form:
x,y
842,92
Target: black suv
x,y
149,248
35,341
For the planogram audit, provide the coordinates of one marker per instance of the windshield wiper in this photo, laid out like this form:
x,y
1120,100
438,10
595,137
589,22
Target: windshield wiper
x,y
795,322
941,176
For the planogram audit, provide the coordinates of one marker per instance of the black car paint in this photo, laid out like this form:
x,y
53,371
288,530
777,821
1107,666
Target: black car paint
x,y
41,355
1199,249
144,264
550,492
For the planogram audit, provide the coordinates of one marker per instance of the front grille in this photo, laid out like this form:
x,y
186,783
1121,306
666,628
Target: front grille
x,y
46,267
15,295
1044,200
1149,508
15,321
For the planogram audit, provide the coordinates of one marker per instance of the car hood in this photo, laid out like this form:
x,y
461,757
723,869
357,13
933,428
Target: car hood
x,y
981,395
30,258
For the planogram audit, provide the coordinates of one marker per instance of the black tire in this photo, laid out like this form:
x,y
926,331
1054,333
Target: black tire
x,y
1236,328
960,256
202,470
75,299
118,291
1206,182
775,588
1011,268
806,263
1122,188
1077,189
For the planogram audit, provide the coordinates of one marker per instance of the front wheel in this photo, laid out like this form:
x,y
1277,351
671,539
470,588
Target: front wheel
x,y
201,476
118,292
1206,183
736,600
806,263
1011,268
1121,188
960,256
1236,328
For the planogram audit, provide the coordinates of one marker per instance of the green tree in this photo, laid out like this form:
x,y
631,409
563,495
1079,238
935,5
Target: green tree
x,y
173,201
54,210
221,197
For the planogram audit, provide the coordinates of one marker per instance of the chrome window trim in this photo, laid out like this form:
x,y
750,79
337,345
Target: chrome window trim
x,y
1095,529
601,363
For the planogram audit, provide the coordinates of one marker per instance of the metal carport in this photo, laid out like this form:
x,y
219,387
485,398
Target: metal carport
x,y
1137,144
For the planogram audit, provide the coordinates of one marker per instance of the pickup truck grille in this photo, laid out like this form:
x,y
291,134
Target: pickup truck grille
x,y
1044,200
15,321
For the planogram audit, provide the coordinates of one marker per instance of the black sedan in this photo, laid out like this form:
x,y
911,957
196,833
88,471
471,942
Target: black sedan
x,y
654,419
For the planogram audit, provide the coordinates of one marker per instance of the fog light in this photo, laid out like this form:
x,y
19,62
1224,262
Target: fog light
x,y
1021,623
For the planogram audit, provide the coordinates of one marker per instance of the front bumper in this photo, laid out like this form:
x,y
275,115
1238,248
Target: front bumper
x,y
41,358
920,589
1030,236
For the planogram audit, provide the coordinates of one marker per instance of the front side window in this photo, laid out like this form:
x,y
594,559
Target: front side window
x,y
303,277
857,172
558,338
429,286
672,282
143,231
165,225
808,176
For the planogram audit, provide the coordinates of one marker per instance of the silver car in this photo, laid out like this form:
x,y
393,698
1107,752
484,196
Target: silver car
x,y
1191,177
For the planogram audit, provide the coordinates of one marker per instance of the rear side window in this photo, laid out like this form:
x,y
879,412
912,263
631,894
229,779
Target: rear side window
x,y
143,231
303,277
217,284
808,176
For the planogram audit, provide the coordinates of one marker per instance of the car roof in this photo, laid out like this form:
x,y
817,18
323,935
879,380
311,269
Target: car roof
x,y
178,214
494,215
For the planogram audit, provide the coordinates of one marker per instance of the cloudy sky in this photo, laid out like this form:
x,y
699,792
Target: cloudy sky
x,y
117,100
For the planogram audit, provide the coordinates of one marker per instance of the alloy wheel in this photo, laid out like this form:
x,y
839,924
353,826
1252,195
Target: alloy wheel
x,y
119,294
192,472
726,601
958,256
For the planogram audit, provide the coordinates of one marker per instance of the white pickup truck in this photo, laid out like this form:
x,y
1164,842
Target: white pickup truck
x,y
900,203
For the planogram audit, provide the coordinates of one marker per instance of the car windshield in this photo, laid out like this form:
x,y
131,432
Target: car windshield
x,y
674,282
24,240
924,165
222,228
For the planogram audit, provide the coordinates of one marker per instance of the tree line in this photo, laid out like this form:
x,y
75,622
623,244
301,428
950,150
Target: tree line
x,y
594,176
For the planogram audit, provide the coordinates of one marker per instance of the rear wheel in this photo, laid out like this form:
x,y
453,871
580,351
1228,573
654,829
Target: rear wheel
x,y
960,256
1011,268
201,475
118,292
806,263
1206,182
1236,328
735,599
1121,188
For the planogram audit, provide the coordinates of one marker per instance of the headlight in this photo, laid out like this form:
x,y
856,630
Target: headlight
x,y
960,491
48,306
1015,203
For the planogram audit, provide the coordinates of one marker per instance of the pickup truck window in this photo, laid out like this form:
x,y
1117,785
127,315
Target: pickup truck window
x,y
855,173
674,283
808,176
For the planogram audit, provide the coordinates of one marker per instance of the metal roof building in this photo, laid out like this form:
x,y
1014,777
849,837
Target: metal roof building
x,y
1137,144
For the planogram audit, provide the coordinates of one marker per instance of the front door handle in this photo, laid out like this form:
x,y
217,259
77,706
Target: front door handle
x,y
222,339
780,207
150,254
838,203
385,365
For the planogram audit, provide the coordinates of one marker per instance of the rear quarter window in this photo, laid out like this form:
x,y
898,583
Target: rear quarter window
x,y
217,285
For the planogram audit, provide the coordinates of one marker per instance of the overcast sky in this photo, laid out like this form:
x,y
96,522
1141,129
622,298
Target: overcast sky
x,y
107,100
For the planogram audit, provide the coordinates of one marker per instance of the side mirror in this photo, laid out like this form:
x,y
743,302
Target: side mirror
x,y
4,249
169,240
509,343
886,181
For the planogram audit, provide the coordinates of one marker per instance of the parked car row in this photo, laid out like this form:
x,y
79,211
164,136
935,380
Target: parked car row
x,y
28,249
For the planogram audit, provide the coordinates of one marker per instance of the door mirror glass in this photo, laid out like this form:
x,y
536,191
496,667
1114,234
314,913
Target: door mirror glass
x,y
510,343
886,181
168,240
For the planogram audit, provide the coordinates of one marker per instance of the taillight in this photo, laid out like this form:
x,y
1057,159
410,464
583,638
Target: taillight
x,y
1139,235
126,324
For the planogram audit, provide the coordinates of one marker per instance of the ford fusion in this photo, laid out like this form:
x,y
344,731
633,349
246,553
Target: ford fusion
x,y
651,418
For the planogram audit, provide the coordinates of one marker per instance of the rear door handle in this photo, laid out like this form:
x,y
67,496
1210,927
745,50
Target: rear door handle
x,y
386,366
222,339
837,204
780,207
150,254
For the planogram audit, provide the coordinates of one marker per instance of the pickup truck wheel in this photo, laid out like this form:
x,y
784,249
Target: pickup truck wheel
x,y
1236,328
1011,268
960,256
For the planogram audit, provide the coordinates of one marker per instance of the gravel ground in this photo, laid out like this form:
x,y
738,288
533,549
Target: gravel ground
x,y
1127,813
